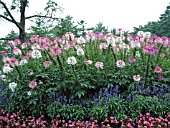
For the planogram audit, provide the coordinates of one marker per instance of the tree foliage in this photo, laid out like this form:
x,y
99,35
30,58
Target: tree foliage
x,y
161,27
20,7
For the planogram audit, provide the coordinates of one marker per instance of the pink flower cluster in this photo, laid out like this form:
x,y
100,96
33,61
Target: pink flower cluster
x,y
17,120
8,120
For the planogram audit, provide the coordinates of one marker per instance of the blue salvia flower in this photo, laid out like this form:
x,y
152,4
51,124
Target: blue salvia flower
x,y
115,94
159,96
104,101
116,89
105,91
147,91
96,101
168,89
56,94
65,99
155,90
111,89
167,99
100,92
129,97
108,96
162,91
3,100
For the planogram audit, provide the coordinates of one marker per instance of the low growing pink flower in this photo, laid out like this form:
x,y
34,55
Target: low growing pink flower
x,y
158,69
32,84
132,60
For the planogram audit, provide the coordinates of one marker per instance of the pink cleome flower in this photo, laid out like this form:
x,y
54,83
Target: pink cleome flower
x,y
46,64
56,50
13,62
99,65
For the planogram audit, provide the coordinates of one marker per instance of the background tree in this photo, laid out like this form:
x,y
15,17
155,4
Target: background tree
x,y
65,25
20,6
101,28
160,27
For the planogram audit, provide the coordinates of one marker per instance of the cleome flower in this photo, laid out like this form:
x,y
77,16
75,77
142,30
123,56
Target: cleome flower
x,y
136,78
87,62
12,86
36,54
80,52
71,60
46,64
99,65
120,64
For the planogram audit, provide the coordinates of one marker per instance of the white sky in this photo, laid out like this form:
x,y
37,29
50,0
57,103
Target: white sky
x,y
124,14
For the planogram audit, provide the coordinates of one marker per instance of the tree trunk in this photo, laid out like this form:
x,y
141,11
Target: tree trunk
x,y
22,21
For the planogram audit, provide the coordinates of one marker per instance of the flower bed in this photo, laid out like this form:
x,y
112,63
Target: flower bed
x,y
92,76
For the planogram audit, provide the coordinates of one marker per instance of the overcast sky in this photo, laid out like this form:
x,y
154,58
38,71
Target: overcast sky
x,y
124,14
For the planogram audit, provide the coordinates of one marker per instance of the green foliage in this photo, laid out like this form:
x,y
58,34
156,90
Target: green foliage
x,y
65,25
161,27
100,28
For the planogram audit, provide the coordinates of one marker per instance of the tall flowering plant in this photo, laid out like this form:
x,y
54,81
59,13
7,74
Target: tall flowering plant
x,y
80,66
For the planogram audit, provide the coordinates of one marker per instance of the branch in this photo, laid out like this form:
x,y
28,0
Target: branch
x,y
6,38
7,18
9,13
33,16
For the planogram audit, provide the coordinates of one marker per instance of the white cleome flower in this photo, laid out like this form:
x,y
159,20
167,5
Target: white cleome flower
x,y
120,63
80,52
71,60
81,40
140,33
23,62
7,69
147,34
111,41
12,86
36,54
3,77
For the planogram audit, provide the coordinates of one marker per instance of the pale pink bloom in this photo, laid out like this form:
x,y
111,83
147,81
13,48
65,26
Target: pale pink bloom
x,y
135,44
136,78
56,50
57,40
17,41
67,45
99,65
47,64
35,46
158,69
103,46
13,62
17,51
29,53
25,57
32,84
120,64
31,73
6,59
87,62
162,55
24,45
34,38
